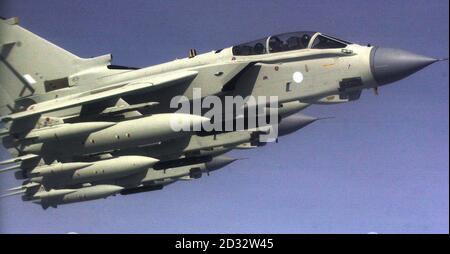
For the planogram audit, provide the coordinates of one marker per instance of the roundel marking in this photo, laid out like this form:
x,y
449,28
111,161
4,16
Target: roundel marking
x,y
297,77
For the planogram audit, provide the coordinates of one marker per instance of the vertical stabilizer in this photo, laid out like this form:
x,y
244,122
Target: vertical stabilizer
x,y
31,65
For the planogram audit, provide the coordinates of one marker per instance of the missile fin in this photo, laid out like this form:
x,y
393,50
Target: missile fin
x,y
3,170
19,159
12,193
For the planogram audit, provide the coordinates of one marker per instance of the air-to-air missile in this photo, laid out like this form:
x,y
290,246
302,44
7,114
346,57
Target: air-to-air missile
x,y
142,180
157,179
61,132
67,174
52,198
65,140
214,145
295,122
82,128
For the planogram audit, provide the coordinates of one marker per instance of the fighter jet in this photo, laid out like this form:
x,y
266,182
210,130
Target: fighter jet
x,y
81,129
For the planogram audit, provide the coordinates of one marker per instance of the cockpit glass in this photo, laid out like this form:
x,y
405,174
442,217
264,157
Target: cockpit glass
x,y
289,41
257,47
337,39
325,42
273,44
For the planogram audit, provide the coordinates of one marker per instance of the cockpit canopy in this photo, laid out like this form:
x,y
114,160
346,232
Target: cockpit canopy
x,y
288,42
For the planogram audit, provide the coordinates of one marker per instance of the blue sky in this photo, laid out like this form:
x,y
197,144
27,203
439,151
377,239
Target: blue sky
x,y
381,165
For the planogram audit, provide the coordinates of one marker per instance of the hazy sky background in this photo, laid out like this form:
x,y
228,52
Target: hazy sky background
x,y
381,165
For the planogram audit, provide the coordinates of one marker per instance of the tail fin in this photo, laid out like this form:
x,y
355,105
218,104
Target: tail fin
x,y
30,65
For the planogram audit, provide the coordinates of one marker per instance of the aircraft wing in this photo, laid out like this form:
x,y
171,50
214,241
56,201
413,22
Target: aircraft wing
x,y
103,93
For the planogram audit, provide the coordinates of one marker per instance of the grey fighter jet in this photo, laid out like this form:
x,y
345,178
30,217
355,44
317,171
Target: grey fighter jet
x,y
81,129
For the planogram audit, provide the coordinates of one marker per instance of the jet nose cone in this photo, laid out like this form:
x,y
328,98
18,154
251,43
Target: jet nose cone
x,y
389,65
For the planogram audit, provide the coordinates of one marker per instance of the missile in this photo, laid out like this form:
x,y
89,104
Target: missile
x,y
65,131
14,167
131,179
57,133
249,139
286,126
19,159
27,188
50,170
52,194
293,123
217,163
64,174
187,172
123,135
153,180
12,193
54,197
157,179
26,185
212,145
58,168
